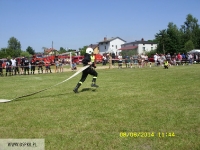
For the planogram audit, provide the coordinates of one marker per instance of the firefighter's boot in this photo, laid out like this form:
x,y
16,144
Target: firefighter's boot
x,y
76,88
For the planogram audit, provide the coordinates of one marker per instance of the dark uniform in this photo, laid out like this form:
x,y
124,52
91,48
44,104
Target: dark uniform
x,y
8,67
40,64
16,70
1,68
26,66
48,68
33,64
22,65
85,73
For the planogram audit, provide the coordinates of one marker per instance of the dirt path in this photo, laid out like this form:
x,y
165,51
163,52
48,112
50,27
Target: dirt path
x,y
68,69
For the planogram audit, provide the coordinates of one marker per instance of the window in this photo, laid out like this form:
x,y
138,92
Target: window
x,y
112,45
151,48
105,47
143,44
143,48
151,44
116,46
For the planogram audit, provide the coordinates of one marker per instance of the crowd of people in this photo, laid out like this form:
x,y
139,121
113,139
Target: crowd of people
x,y
176,59
140,61
23,66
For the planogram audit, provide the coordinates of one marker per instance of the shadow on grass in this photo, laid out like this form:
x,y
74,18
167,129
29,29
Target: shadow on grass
x,y
24,98
88,89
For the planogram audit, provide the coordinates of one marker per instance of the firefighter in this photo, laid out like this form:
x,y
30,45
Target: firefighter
x,y
1,68
16,67
90,70
40,64
26,66
33,64
22,65
8,66
47,67
166,64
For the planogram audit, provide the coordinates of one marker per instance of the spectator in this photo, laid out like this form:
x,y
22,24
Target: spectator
x,y
60,65
104,60
166,64
56,65
1,68
110,61
8,66
22,65
156,59
143,59
127,62
40,66
47,67
135,59
146,60
33,64
168,57
183,56
131,61
113,57
17,67
26,66
139,61
120,61
179,59
74,67
162,59
13,65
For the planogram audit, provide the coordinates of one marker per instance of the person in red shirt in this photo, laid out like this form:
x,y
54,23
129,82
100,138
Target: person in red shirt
x,y
179,58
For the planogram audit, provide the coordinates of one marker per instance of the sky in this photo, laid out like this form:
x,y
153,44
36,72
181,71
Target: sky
x,y
73,24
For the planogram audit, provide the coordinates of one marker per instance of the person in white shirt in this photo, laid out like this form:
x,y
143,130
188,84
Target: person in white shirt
x,y
13,65
155,59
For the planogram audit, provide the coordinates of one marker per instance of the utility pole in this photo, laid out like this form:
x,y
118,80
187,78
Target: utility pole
x,y
52,45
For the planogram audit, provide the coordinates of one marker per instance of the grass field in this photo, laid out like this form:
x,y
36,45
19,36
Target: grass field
x,y
133,109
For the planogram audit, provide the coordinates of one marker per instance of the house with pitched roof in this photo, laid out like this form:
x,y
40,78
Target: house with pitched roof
x,y
51,51
139,47
95,48
110,45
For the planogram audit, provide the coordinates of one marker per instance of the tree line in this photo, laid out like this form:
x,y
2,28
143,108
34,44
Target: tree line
x,y
173,39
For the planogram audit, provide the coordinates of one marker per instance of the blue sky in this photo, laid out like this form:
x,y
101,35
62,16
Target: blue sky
x,y
76,23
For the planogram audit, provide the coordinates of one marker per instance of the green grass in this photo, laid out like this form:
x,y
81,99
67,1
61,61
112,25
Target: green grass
x,y
128,100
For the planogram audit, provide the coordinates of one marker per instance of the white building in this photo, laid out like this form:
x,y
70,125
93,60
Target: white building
x,y
110,45
139,46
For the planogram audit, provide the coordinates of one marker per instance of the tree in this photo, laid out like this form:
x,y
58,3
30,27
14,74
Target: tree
x,y
14,44
62,50
161,38
173,45
3,53
30,50
83,50
125,53
25,54
190,30
189,46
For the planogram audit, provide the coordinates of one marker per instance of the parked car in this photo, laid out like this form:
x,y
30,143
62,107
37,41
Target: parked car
x,y
151,58
77,59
